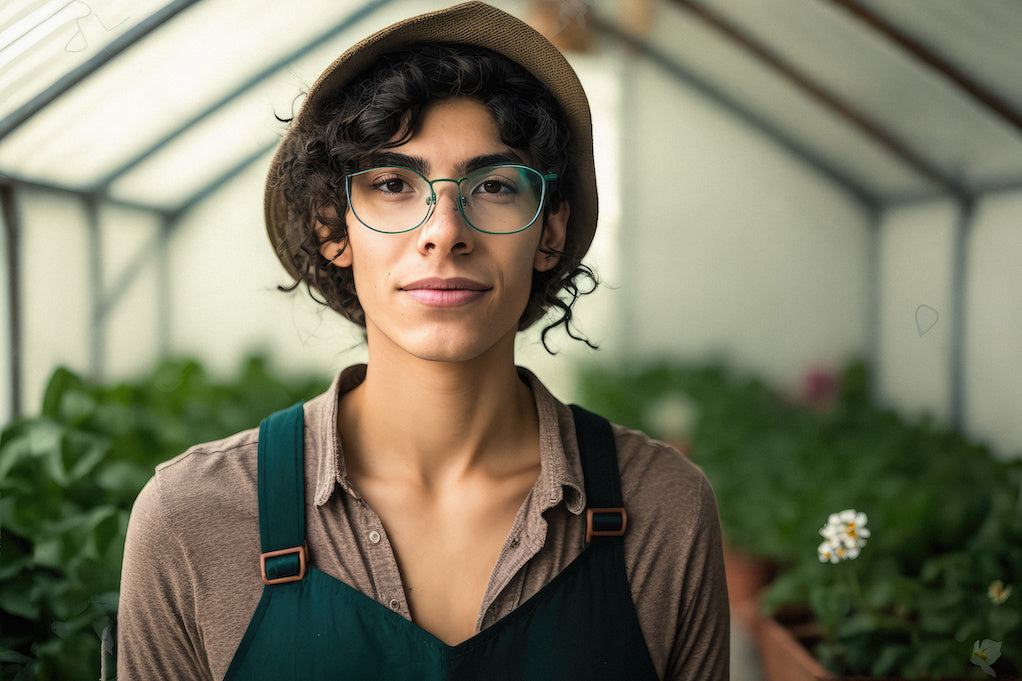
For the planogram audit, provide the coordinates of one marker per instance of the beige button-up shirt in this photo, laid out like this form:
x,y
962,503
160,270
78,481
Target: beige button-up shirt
x,y
191,579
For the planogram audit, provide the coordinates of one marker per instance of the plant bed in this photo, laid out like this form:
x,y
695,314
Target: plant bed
x,y
930,597
785,640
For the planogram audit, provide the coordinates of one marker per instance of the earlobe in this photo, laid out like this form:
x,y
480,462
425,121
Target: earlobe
x,y
555,231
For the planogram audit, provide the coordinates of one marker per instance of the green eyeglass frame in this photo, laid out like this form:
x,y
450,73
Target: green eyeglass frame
x,y
539,180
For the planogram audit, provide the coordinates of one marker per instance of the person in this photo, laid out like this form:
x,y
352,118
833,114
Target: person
x,y
437,513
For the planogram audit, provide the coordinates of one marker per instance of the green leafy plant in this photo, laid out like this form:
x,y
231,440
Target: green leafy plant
x,y
945,514
68,478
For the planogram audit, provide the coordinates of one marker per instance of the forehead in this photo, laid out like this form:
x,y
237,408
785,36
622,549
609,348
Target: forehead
x,y
450,133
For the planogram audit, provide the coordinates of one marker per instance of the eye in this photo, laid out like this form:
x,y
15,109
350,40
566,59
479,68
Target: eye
x,y
391,185
495,186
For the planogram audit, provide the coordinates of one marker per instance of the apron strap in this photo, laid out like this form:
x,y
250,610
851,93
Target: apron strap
x,y
605,513
282,496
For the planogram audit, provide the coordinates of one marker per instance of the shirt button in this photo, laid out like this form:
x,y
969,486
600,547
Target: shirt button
x,y
394,605
374,537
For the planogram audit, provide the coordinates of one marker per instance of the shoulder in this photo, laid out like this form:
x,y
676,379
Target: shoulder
x,y
659,481
207,478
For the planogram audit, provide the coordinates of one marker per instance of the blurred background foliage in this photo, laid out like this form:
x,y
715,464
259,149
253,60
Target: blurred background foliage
x,y
68,478
945,513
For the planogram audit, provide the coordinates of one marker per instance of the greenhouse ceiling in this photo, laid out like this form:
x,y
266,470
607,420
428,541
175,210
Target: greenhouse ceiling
x,y
156,105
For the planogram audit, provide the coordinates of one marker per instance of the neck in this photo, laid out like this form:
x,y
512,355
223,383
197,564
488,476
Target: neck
x,y
436,422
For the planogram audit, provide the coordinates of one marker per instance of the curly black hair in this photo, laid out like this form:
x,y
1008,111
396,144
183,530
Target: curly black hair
x,y
382,109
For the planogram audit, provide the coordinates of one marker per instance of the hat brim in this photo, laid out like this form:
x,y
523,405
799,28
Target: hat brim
x,y
471,23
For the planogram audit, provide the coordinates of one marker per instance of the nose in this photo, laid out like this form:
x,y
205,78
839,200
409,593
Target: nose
x,y
445,231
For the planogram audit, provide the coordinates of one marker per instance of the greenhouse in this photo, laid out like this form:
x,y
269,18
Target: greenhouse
x,y
807,253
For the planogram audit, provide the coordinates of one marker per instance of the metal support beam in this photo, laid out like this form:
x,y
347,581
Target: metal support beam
x,y
220,181
959,316
780,137
12,238
821,95
7,180
344,24
97,330
103,56
109,297
873,295
974,90
163,289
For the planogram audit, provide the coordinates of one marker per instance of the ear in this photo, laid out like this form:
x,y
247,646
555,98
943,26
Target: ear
x,y
555,234
338,252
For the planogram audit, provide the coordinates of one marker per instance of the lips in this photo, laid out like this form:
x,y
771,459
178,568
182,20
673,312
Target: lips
x,y
437,292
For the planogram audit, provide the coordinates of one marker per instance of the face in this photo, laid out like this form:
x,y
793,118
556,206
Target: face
x,y
444,291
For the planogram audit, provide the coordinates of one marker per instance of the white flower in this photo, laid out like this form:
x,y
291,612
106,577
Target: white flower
x,y
844,536
985,653
998,593
836,551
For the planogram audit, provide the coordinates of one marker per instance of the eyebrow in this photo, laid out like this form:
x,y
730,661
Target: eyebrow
x,y
490,160
417,163
393,158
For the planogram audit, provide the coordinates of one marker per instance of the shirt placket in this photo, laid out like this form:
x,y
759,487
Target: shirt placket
x,y
382,561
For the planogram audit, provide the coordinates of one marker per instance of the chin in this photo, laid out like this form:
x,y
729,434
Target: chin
x,y
450,345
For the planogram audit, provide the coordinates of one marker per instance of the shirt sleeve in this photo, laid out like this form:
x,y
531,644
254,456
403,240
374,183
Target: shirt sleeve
x,y
157,632
701,650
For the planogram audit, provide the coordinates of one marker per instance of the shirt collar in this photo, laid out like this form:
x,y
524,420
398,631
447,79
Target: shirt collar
x,y
560,476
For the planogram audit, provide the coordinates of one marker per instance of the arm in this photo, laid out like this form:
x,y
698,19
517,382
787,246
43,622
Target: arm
x,y
701,649
158,635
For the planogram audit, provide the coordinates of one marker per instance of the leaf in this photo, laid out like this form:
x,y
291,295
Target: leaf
x,y
76,407
889,659
12,656
16,598
831,603
84,451
61,381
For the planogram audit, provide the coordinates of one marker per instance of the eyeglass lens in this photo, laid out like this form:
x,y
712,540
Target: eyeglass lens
x,y
497,199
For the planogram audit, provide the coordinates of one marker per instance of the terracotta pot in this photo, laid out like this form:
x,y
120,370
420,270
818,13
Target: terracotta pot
x,y
784,657
747,576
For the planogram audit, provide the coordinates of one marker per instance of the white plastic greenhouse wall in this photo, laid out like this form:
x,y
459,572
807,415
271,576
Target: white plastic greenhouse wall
x,y
718,238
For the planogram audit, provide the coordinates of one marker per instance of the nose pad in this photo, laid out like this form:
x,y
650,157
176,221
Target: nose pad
x,y
445,227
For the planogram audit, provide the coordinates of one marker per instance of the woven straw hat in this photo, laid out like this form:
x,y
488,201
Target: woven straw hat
x,y
472,23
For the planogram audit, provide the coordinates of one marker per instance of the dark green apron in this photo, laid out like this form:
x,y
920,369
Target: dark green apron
x,y
581,625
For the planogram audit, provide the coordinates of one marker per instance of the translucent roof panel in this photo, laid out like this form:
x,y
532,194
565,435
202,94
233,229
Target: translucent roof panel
x,y
914,104
168,94
42,40
748,88
981,38
191,87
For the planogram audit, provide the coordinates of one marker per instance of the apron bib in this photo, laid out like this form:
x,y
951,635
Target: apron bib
x,y
310,626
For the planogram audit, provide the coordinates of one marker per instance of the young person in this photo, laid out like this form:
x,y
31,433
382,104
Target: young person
x,y
437,513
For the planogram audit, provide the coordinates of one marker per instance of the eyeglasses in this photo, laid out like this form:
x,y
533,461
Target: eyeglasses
x,y
501,199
